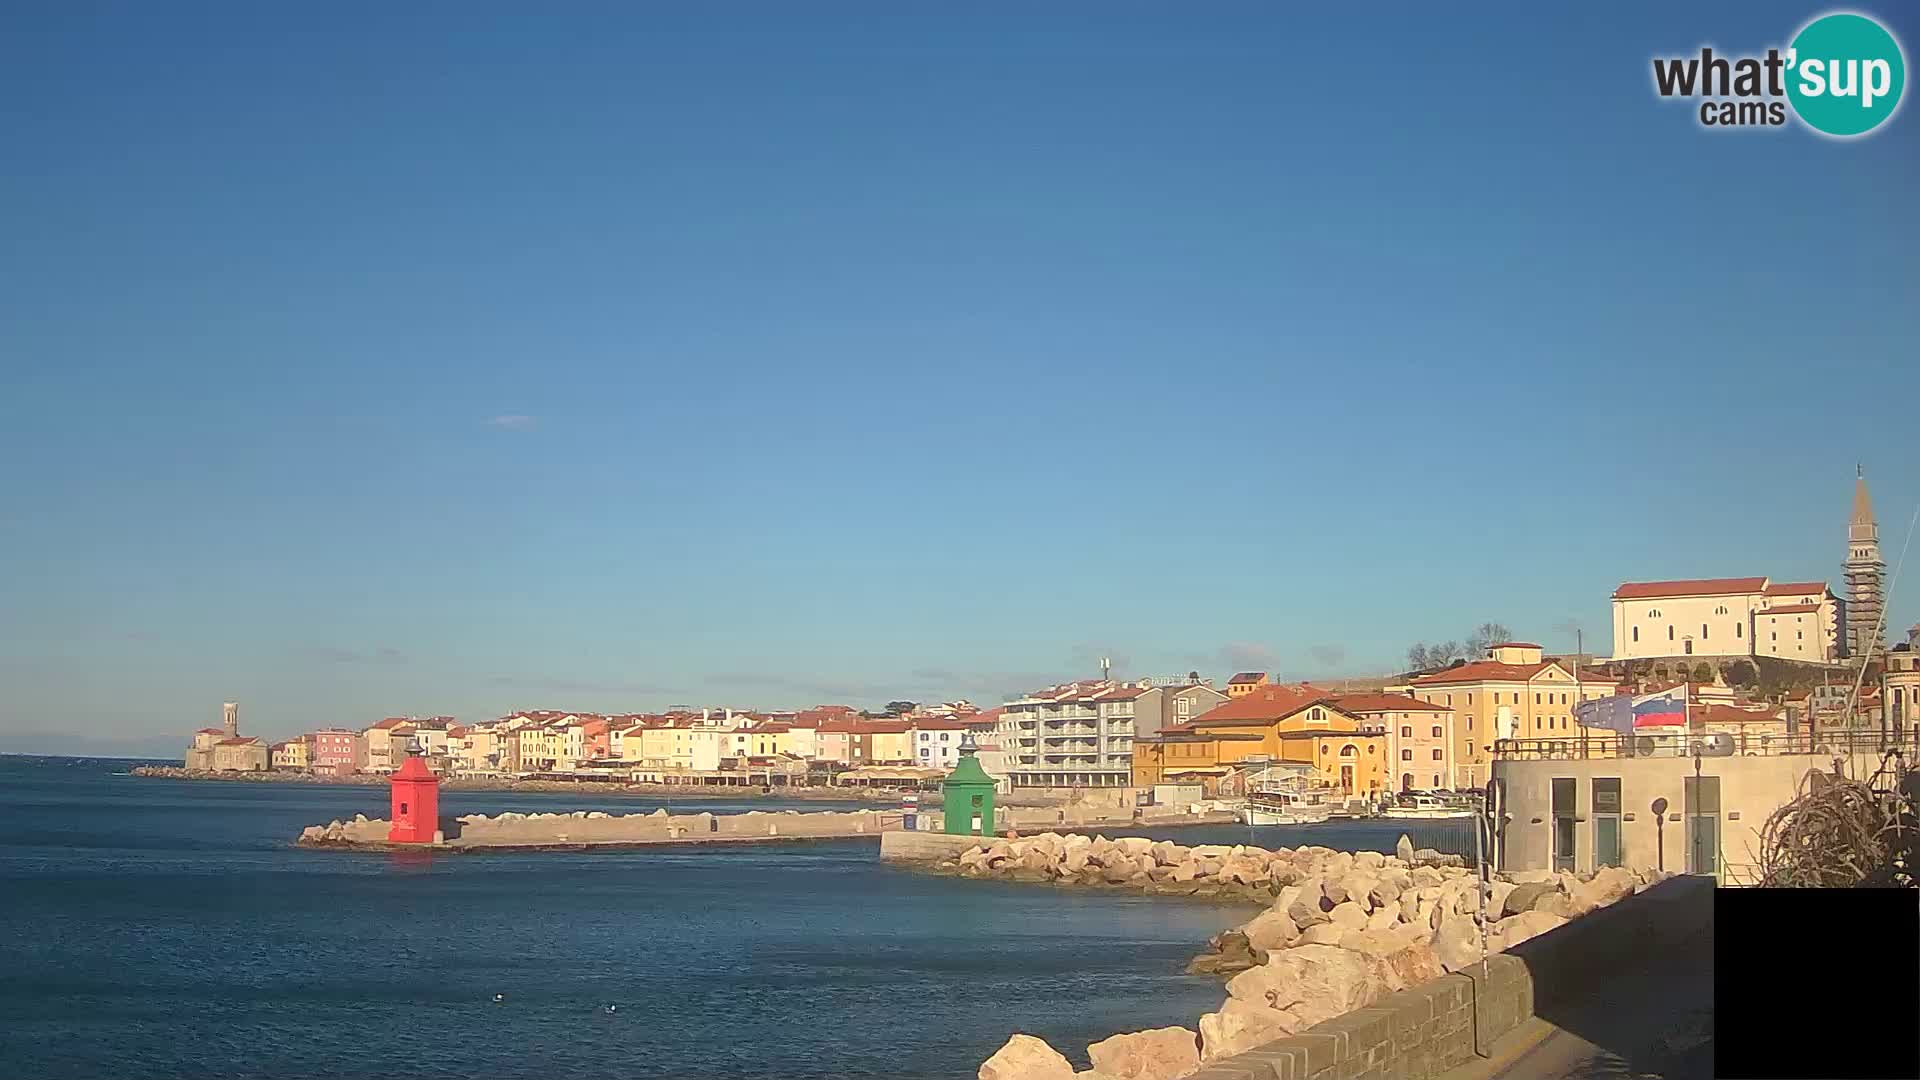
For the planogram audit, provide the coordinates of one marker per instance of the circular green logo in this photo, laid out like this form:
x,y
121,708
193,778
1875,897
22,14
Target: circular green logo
x,y
1845,74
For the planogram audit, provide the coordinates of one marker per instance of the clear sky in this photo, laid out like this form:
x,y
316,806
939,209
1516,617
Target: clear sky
x,y
361,362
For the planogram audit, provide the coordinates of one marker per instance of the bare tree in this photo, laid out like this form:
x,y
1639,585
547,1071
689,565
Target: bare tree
x,y
1425,657
1485,636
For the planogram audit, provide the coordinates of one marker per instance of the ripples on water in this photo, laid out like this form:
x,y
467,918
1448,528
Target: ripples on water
x,y
156,928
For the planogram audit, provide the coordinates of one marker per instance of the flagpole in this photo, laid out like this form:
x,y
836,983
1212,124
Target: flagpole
x,y
1579,643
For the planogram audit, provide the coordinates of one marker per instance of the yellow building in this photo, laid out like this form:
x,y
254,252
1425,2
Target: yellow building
x,y
293,754
1300,724
889,741
1514,693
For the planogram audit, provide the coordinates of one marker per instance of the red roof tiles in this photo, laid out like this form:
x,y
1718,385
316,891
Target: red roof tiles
x,y
1654,590
1264,705
1796,588
1372,703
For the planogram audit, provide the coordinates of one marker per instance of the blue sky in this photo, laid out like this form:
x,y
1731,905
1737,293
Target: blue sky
x,y
360,362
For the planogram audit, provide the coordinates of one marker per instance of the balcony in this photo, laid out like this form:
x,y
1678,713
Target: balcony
x,y
1826,744
1071,729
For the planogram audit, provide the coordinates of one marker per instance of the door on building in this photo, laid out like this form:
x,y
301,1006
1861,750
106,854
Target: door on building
x,y
1406,781
1565,837
1606,821
1346,779
1703,825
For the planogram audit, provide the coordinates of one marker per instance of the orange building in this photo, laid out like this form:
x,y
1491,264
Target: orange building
x,y
1301,724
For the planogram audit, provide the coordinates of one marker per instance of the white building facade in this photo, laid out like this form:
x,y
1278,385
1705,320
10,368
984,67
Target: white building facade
x,y
1748,616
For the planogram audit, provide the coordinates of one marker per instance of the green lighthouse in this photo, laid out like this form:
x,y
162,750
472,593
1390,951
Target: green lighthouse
x,y
968,810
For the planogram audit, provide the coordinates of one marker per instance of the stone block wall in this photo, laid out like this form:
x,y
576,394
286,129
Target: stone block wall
x,y
901,846
1423,1031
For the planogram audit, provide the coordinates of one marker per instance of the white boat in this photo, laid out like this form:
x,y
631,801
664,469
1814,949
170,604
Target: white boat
x,y
1424,807
1286,799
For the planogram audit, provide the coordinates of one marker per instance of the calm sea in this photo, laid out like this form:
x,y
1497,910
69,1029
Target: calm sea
x,y
158,928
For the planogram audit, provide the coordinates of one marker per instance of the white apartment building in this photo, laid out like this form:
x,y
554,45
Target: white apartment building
x,y
1081,734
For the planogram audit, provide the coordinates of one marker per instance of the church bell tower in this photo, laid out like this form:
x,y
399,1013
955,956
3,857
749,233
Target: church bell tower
x,y
1865,573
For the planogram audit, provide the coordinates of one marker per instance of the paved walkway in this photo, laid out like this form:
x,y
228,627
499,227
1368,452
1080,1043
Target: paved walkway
x,y
1655,1021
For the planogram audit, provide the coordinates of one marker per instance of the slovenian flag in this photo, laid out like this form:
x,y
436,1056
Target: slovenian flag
x,y
1668,708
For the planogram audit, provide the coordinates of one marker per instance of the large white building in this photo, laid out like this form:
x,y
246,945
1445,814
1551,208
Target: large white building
x,y
1081,734
1748,616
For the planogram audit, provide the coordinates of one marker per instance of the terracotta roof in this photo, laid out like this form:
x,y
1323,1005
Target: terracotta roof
x,y
941,724
1653,590
1264,705
1370,703
1484,671
1788,609
389,723
1247,677
1514,645
1795,588
211,731
245,740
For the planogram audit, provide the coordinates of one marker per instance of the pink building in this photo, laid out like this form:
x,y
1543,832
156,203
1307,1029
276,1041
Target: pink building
x,y
338,752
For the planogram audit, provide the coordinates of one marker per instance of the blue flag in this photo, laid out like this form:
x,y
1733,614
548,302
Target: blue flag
x,y
1607,714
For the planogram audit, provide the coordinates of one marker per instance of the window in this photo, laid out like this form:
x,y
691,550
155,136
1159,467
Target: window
x,y
1536,699
1669,631
1372,749
1636,633
943,736
1436,754
1606,821
1799,635
1406,733
1565,793
1348,750
1436,731
1736,629
1406,755
1703,631
1469,749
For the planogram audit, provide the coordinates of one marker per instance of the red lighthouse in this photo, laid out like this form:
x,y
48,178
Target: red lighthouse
x,y
416,803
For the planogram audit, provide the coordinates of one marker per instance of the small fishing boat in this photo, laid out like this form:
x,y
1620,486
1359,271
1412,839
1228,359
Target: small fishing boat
x,y
1286,798
1421,806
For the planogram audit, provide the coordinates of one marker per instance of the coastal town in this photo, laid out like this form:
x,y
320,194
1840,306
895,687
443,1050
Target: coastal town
x,y
1765,667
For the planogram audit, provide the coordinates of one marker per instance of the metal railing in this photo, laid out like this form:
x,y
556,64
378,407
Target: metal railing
x,y
1828,743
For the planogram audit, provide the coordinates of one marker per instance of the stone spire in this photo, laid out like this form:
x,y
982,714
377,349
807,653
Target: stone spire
x,y
1865,572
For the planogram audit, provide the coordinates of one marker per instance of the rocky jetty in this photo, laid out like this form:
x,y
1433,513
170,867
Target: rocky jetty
x,y
597,828
1234,873
1340,930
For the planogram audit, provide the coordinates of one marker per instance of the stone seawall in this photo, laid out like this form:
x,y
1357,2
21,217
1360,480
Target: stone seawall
x,y
476,832
1341,932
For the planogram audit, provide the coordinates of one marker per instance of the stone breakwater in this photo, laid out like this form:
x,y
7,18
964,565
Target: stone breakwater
x,y
1340,931
595,828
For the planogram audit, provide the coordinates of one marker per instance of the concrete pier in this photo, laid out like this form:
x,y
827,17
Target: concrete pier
x,y
595,829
